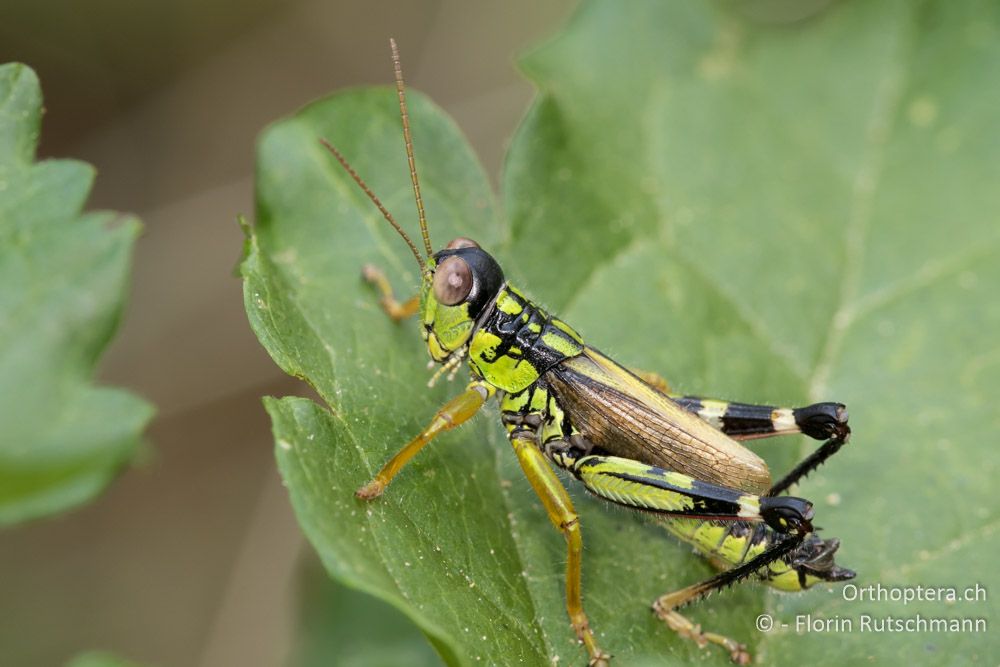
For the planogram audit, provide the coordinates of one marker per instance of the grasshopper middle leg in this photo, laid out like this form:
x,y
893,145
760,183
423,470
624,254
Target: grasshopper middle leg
x,y
653,379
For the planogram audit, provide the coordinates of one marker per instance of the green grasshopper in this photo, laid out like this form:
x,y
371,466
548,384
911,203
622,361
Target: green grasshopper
x,y
618,431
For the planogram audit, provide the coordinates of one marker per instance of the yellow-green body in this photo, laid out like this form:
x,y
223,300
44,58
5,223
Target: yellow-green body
x,y
547,378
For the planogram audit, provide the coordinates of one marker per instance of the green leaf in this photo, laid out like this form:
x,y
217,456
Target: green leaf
x,y
64,275
770,213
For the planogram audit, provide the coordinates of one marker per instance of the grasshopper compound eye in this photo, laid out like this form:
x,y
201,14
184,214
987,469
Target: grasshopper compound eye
x,y
461,242
452,281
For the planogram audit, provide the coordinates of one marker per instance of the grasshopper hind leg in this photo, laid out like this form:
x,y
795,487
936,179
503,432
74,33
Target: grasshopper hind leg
x,y
665,606
810,463
676,496
745,421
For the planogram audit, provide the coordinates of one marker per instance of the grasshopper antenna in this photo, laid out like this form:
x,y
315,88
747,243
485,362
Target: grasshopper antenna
x,y
401,92
375,200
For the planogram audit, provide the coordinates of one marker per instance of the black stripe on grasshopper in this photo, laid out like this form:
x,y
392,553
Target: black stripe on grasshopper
x,y
527,331
627,483
744,421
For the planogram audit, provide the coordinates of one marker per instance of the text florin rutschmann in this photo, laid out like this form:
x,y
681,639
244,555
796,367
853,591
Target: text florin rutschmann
x,y
805,623
885,623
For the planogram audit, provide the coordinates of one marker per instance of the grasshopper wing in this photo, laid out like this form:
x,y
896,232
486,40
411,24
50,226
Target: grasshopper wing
x,y
623,416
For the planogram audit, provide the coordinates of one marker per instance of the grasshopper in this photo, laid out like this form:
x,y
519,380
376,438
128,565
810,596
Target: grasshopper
x,y
620,432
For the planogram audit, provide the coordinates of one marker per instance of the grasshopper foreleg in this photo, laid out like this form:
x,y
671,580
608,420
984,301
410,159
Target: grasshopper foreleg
x,y
393,308
456,411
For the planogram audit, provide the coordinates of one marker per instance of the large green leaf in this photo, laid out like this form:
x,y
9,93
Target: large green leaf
x,y
63,274
775,214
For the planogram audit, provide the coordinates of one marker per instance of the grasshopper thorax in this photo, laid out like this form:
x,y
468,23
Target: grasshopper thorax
x,y
459,286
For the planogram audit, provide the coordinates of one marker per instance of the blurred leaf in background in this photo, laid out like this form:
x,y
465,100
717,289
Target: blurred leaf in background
x,y
63,279
768,213
100,659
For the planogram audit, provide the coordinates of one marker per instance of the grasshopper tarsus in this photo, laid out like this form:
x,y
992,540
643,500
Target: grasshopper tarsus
x,y
687,630
602,660
817,458
370,491
371,273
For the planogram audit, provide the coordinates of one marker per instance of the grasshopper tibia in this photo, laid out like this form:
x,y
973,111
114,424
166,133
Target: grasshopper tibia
x,y
456,411
665,606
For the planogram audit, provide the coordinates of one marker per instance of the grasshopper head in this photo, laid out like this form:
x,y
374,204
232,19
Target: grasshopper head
x,y
460,281
459,284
